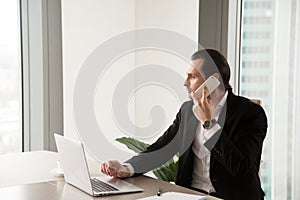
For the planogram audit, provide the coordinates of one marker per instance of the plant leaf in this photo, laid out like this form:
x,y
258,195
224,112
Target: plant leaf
x,y
166,172
133,144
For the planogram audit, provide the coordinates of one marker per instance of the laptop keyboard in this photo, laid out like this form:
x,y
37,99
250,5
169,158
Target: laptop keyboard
x,y
100,186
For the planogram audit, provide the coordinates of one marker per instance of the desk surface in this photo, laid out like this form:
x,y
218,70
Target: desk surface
x,y
27,167
57,190
27,176
33,167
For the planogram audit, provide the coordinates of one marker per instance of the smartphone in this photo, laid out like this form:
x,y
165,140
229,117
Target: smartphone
x,y
211,84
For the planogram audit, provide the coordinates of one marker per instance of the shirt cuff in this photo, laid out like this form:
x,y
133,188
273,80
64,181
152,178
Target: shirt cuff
x,y
131,169
210,132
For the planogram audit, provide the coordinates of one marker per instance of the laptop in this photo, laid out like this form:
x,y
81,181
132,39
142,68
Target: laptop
x,y
76,171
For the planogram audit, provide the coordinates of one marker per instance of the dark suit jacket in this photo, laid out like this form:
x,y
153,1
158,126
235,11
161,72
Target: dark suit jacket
x,y
235,149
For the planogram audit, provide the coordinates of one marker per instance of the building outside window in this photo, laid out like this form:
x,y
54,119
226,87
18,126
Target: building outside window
x,y
269,64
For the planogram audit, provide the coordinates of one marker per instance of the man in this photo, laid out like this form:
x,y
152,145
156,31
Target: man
x,y
220,137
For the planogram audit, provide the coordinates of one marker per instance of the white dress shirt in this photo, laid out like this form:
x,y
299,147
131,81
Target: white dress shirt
x,y
201,163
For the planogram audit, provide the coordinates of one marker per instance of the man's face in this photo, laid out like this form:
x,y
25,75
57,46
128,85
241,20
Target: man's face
x,y
194,79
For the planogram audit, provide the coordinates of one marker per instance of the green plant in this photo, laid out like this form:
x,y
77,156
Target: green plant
x,y
167,172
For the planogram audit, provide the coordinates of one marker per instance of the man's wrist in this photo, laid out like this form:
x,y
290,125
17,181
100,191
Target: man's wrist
x,y
208,133
208,124
126,171
129,168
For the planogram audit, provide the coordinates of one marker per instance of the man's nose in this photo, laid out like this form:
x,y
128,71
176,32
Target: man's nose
x,y
186,83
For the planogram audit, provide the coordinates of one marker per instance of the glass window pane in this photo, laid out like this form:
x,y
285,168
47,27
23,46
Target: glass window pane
x,y
257,68
10,78
264,22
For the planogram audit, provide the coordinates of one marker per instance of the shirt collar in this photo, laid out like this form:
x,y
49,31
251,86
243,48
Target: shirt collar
x,y
220,105
223,100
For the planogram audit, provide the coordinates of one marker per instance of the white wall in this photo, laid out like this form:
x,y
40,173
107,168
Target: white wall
x,y
88,23
175,15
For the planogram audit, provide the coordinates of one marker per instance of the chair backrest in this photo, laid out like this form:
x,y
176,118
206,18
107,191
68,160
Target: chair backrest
x,y
258,101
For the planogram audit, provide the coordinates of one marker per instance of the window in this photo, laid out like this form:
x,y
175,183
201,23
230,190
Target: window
x,y
10,78
269,71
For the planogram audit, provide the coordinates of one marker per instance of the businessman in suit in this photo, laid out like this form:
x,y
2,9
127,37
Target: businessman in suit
x,y
219,137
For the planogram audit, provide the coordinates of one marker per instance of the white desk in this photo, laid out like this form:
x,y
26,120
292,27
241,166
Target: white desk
x,y
27,167
28,175
33,167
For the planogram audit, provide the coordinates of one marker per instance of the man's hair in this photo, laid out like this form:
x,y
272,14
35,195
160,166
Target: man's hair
x,y
214,62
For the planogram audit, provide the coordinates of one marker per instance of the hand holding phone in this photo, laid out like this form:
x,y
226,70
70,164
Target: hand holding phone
x,y
211,84
205,110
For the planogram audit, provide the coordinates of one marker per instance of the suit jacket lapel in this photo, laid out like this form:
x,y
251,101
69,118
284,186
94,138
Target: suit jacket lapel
x,y
192,124
188,127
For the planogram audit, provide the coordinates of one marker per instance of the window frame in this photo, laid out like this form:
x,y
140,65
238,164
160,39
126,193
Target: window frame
x,y
41,34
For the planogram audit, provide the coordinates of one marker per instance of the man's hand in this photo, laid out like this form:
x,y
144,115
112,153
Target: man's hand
x,y
203,108
115,169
